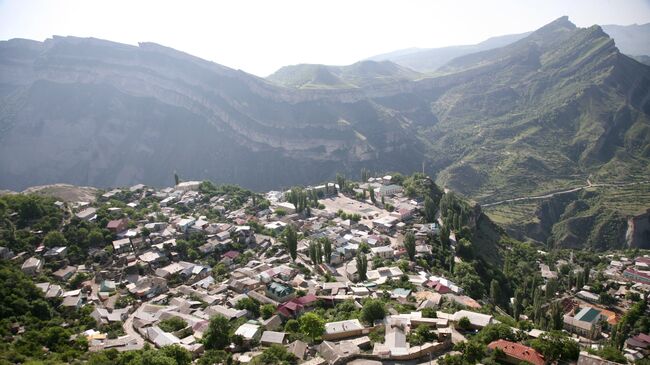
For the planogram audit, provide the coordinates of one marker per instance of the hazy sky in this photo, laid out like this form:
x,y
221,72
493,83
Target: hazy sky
x,y
261,36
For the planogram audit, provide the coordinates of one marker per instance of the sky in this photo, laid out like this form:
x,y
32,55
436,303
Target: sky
x,y
263,35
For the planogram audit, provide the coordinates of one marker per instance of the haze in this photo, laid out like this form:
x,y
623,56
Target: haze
x,y
261,36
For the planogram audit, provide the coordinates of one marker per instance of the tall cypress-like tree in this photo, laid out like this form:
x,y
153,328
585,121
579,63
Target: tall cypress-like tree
x,y
291,238
495,292
327,249
409,245
362,266
429,210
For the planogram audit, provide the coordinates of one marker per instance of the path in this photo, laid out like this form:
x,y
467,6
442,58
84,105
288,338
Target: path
x,y
129,330
550,195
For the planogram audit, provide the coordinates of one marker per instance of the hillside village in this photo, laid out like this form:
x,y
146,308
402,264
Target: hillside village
x,y
345,272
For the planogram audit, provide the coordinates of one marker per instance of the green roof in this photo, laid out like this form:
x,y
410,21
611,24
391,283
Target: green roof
x,y
588,314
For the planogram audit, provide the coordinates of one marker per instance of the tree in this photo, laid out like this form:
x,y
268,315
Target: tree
x,y
340,180
464,324
327,249
409,245
250,305
292,326
267,310
96,238
429,210
178,353
373,310
371,192
312,325
217,336
362,265
291,238
177,180
444,236
55,239
172,324
495,292
556,316
556,345
275,354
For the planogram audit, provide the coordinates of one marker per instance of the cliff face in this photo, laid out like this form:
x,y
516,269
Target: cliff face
x,y
541,114
96,112
638,231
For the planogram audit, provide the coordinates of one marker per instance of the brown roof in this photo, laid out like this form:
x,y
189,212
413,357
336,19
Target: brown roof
x,y
518,351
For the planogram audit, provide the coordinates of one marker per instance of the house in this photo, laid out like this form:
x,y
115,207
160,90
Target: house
x,y
118,225
273,323
184,224
342,329
640,342
388,190
56,253
73,301
298,348
277,226
104,316
516,353
477,320
188,186
87,214
229,257
279,292
249,331
65,273
351,270
637,276
290,309
385,252
273,338
122,245
584,323
32,266
588,296
148,287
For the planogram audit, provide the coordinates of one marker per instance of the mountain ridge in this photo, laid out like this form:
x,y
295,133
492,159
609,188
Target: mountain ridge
x,y
543,113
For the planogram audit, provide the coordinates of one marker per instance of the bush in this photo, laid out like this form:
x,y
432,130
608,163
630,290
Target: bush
x,y
172,324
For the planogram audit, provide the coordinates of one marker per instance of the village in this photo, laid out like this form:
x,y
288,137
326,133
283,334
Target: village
x,y
353,289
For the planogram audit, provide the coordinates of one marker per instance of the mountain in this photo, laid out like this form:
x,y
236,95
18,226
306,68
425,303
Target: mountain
x,y
429,59
360,74
558,109
630,39
93,112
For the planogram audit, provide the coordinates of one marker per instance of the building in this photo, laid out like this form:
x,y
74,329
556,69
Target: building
x,y
87,214
279,292
477,320
516,353
584,323
388,190
32,266
342,329
637,276
249,331
118,225
273,338
385,252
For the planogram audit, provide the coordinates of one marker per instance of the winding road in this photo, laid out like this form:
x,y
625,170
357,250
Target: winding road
x,y
550,195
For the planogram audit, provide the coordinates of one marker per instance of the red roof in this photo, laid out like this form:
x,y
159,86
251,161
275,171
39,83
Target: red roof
x,y
231,254
518,351
114,224
442,289
307,299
